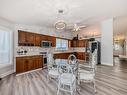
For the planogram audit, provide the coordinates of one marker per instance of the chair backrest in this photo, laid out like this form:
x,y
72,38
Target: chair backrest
x,y
50,60
72,59
94,59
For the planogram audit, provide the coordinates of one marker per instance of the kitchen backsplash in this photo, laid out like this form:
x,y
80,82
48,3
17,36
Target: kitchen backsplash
x,y
25,50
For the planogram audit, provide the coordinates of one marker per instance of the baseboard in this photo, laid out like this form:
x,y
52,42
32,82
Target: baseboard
x,y
28,72
6,74
108,64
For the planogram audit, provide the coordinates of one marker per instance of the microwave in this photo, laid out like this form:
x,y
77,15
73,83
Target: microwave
x,y
46,44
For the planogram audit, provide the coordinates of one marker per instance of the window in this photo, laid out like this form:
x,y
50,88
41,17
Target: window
x,y
61,44
5,47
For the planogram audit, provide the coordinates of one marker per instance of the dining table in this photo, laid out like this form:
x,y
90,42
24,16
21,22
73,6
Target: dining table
x,y
62,63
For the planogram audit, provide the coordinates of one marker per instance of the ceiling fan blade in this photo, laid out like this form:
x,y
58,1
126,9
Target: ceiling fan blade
x,y
82,26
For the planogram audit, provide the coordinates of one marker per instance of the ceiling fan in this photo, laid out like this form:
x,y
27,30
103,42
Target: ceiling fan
x,y
76,28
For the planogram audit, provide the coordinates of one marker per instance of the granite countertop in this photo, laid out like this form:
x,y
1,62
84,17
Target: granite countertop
x,y
23,55
56,52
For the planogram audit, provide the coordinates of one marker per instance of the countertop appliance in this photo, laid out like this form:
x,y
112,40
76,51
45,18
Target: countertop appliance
x,y
46,44
44,59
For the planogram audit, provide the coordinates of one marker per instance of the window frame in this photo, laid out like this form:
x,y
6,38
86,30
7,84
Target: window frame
x,y
62,48
11,44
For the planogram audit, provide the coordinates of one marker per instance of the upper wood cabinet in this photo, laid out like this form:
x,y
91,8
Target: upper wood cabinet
x,y
74,43
79,43
21,37
26,38
33,39
53,39
30,38
38,40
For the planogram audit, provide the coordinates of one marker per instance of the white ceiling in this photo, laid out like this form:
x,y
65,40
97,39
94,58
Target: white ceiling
x,y
45,12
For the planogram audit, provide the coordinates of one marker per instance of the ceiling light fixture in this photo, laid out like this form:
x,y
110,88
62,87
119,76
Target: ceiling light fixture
x,y
60,24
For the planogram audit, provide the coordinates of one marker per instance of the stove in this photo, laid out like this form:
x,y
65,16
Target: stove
x,y
44,54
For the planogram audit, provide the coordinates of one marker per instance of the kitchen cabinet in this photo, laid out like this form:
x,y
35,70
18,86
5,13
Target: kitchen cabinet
x,y
21,37
20,64
27,63
79,43
53,40
79,55
37,39
49,38
74,43
26,38
82,56
38,62
44,38
62,55
30,38
33,39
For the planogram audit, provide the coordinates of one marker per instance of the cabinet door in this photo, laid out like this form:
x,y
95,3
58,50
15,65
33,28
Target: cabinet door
x,y
38,62
81,43
53,41
21,37
29,63
37,40
74,43
19,65
30,38
43,38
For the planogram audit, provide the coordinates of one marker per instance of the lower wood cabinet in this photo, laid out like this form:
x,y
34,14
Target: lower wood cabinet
x,y
62,55
79,55
24,64
82,56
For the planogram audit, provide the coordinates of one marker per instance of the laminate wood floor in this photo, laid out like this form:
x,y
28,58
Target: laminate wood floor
x,y
109,81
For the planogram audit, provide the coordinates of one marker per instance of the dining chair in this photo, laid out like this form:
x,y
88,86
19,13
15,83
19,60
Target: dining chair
x,y
73,62
67,80
52,67
88,76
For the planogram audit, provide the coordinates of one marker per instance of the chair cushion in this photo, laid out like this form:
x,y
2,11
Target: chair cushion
x,y
67,78
53,72
86,76
85,71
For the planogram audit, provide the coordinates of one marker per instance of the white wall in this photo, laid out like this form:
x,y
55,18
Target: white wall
x,y
107,42
9,68
105,30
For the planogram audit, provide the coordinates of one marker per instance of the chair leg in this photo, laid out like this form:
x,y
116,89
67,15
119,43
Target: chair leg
x,y
58,91
78,82
58,88
94,86
71,92
48,78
